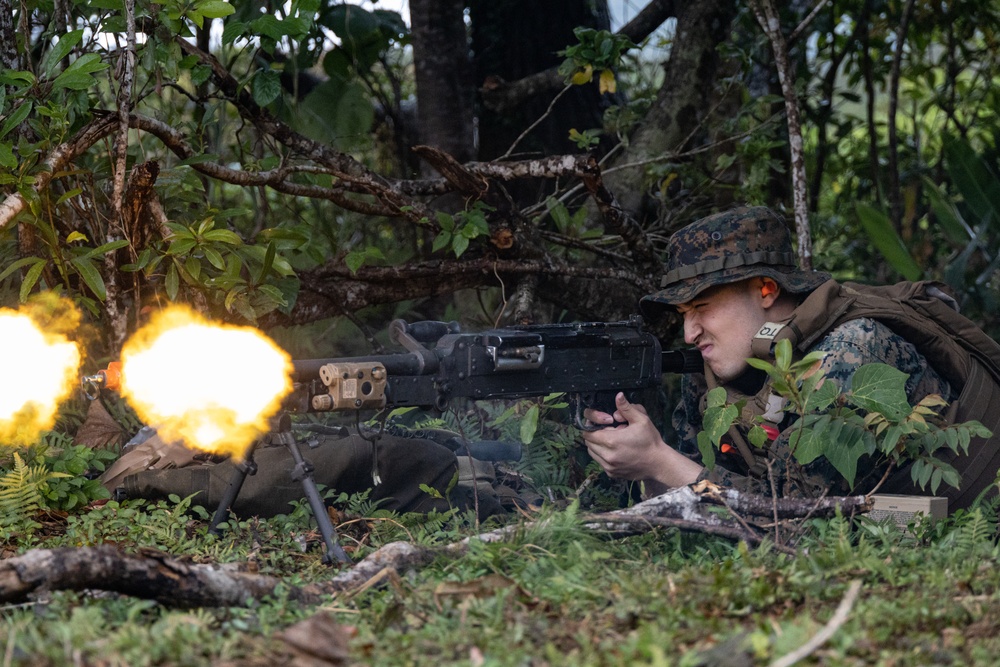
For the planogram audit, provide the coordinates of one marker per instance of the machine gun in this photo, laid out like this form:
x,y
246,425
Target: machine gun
x,y
590,361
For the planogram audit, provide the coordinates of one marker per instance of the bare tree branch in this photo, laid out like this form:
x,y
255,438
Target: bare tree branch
x,y
58,159
767,17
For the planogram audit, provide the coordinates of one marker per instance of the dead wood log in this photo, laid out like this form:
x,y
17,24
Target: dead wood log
x,y
177,583
147,574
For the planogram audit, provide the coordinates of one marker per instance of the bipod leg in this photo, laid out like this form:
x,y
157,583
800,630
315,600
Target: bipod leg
x,y
240,471
303,472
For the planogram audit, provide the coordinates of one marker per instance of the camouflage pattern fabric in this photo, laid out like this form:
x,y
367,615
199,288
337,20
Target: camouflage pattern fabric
x,y
728,247
846,348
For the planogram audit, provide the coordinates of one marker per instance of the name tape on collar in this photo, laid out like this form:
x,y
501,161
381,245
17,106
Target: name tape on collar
x,y
769,330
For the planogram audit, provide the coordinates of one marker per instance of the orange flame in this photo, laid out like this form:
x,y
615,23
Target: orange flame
x,y
40,369
211,386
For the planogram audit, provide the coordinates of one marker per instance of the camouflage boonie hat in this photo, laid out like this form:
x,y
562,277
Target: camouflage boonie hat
x,y
728,247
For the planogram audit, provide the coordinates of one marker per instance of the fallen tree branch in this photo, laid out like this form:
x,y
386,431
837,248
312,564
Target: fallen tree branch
x,y
177,583
145,574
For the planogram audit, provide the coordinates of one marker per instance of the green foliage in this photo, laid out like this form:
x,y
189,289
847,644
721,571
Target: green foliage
x,y
76,467
879,229
596,50
872,419
717,419
22,490
249,279
459,229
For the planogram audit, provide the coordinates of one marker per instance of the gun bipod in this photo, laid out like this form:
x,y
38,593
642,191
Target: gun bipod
x,y
281,434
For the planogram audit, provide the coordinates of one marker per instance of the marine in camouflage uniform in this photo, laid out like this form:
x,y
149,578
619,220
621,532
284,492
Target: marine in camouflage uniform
x,y
741,244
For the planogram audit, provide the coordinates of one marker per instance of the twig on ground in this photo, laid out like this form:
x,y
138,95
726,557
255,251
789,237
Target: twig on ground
x,y
838,619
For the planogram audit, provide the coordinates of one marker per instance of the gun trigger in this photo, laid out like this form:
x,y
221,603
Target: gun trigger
x,y
581,423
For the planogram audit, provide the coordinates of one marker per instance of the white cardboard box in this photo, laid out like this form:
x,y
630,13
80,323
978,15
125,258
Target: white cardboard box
x,y
903,508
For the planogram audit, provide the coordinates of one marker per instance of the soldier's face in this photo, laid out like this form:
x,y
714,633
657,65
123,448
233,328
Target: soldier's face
x,y
721,322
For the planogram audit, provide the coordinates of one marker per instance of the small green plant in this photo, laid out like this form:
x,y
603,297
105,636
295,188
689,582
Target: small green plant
x,y
874,418
248,279
597,51
458,230
22,492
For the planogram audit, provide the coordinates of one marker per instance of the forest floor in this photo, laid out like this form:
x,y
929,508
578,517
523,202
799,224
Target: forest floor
x,y
551,593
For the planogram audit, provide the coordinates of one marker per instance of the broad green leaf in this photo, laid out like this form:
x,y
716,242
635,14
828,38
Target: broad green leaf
x,y
31,278
232,31
445,220
172,282
66,196
354,260
257,254
971,174
222,236
7,158
880,388
716,398
104,249
19,264
460,244
757,436
181,246
952,224
707,450
337,112
266,87
274,294
79,74
783,354
266,265
529,424
91,276
879,229
215,9
773,371
559,214
192,267
214,257
717,421
823,397
62,49
851,444
807,437
268,25
16,118
441,241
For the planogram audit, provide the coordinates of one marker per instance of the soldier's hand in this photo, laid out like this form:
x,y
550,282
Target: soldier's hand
x,y
634,449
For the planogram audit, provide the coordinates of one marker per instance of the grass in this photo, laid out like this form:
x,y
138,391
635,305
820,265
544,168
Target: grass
x,y
562,596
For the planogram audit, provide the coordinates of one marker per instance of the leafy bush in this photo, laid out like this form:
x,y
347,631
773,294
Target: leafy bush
x,y
873,419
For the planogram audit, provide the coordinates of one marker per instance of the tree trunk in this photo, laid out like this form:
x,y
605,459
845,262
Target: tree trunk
x,y
443,76
679,114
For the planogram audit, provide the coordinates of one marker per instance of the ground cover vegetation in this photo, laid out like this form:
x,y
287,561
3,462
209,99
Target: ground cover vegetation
x,y
319,169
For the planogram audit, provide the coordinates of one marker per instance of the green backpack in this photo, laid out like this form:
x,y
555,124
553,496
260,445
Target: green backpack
x,y
927,316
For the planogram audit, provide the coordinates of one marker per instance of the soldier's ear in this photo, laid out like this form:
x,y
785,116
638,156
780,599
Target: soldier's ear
x,y
768,287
